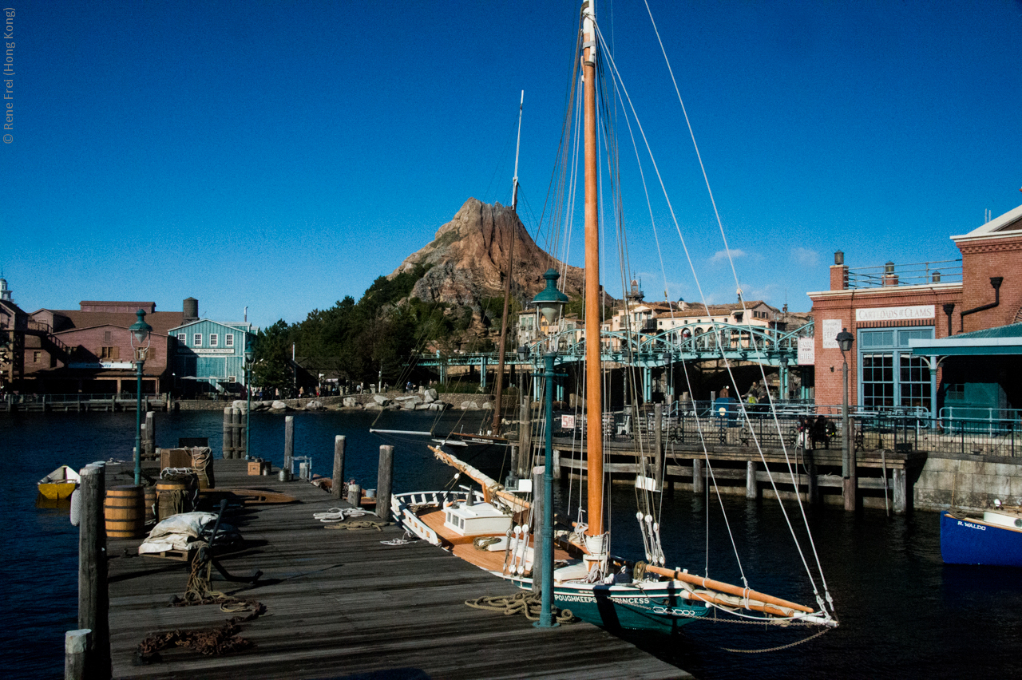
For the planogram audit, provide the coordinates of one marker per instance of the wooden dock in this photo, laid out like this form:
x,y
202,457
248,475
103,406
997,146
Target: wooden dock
x,y
743,470
341,604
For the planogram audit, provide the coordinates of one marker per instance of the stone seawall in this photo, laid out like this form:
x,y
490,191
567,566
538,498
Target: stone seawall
x,y
968,481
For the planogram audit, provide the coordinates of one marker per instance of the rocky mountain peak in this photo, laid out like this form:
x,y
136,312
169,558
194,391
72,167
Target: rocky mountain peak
x,y
467,259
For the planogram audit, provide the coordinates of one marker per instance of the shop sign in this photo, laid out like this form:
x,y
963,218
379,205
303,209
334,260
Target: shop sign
x,y
894,313
831,327
806,351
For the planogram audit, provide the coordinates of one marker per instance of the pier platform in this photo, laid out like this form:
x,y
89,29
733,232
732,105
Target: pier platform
x,y
339,604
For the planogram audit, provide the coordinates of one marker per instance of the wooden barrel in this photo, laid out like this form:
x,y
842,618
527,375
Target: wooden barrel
x,y
125,515
170,493
150,504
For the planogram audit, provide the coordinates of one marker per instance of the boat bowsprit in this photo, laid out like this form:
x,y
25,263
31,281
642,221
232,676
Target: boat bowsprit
x,y
59,484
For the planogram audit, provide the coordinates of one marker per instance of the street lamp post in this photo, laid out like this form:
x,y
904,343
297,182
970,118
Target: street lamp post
x,y
844,341
550,302
140,331
248,408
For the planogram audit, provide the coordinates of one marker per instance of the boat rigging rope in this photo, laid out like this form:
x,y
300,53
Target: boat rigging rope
x,y
529,604
727,250
774,649
702,295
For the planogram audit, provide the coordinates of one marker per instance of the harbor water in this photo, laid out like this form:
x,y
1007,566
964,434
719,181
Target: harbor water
x,y
903,612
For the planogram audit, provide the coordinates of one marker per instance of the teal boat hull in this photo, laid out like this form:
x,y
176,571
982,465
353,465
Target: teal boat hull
x,y
623,608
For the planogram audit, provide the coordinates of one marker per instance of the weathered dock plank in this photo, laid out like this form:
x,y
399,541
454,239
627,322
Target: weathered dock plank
x,y
340,603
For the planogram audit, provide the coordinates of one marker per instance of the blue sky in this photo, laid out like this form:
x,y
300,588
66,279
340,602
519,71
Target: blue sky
x,y
281,155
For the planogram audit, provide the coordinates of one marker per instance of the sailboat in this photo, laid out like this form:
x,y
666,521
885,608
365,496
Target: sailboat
x,y
495,527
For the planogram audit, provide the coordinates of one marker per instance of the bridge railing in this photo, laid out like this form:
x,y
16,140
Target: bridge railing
x,y
870,432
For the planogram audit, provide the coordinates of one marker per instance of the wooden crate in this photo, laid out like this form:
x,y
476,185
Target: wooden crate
x,y
175,458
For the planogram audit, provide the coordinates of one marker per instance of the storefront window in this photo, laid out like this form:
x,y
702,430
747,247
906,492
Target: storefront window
x,y
889,376
877,380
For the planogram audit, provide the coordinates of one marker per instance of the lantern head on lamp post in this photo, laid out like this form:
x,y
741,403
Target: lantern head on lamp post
x,y
140,331
550,301
845,340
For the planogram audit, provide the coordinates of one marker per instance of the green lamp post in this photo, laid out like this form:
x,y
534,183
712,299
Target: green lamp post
x,y
140,331
550,302
249,356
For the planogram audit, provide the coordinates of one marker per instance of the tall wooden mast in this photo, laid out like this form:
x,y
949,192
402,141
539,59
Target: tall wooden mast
x,y
594,392
507,282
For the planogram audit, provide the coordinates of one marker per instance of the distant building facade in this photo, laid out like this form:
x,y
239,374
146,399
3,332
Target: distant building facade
x,y
209,356
895,312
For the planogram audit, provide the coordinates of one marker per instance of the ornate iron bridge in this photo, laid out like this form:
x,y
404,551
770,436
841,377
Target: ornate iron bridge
x,y
646,351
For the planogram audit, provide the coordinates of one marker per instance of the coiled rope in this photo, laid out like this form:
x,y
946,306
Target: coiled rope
x,y
528,604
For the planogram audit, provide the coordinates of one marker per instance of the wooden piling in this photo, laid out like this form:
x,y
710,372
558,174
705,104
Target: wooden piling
x,y
698,481
242,434
355,495
524,439
92,570
658,446
227,434
289,443
383,482
150,431
751,489
76,647
813,483
537,527
900,483
338,481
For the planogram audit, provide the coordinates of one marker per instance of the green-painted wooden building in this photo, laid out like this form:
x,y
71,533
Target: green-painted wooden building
x,y
209,356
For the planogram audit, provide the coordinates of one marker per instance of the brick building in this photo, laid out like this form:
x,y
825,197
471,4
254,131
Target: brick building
x,y
905,320
89,349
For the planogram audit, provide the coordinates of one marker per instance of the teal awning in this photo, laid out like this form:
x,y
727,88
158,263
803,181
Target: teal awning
x,y
988,342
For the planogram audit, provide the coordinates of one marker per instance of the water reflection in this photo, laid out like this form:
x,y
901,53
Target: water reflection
x,y
903,613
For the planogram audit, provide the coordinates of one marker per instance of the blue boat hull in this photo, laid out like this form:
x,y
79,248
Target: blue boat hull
x,y
965,542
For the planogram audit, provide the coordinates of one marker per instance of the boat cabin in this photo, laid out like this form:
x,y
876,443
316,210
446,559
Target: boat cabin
x,y
479,519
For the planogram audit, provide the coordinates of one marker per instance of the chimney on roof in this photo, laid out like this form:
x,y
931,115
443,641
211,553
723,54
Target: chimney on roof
x,y
190,307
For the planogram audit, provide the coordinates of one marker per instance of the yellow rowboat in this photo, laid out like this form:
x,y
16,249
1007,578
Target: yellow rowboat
x,y
59,484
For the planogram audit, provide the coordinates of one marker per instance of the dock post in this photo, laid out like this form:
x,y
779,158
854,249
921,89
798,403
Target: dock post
x,y
658,446
812,482
76,646
150,431
751,489
227,434
524,438
239,433
143,439
900,482
289,444
383,482
698,481
338,481
557,464
537,521
238,424
92,569
355,495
